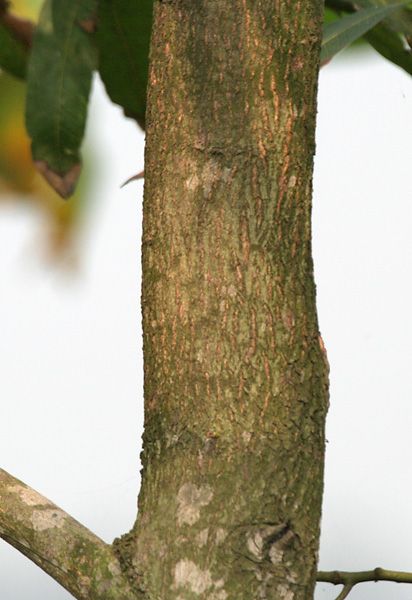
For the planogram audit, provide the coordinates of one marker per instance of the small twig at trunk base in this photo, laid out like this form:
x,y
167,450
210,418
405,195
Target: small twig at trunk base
x,y
77,559
139,175
345,592
350,578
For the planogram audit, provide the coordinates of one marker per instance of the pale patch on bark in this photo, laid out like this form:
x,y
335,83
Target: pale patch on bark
x,y
212,173
84,582
220,535
256,542
285,593
202,537
255,545
231,290
47,519
181,539
191,499
246,436
220,595
187,574
29,496
292,181
104,586
192,182
275,555
114,568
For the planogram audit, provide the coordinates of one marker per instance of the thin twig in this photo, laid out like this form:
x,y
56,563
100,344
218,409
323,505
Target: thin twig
x,y
345,592
351,578
133,178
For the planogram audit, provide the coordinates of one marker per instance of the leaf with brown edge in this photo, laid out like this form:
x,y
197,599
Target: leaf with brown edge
x,y
58,85
89,25
64,185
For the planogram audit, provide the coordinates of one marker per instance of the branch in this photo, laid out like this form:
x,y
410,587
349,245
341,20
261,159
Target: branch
x,y
350,578
71,554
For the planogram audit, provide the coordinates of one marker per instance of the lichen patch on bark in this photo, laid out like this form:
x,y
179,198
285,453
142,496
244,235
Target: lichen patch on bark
x,y
285,593
220,535
114,568
264,539
275,555
48,519
28,495
188,575
292,181
191,499
202,537
192,182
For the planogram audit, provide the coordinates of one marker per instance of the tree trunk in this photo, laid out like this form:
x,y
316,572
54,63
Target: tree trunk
x,y
235,371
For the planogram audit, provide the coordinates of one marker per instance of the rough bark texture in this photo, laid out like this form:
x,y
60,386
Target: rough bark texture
x,y
235,371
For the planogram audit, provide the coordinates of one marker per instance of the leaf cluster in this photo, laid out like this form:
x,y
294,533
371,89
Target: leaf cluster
x,y
385,24
72,40
75,38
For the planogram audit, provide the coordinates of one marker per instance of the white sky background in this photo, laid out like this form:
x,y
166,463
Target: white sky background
x,y
70,348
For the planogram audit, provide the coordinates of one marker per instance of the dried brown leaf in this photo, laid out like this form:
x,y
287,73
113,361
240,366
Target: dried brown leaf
x,y
63,184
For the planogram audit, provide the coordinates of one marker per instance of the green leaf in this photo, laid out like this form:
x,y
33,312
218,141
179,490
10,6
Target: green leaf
x,y
13,55
339,34
391,46
339,6
123,38
59,77
388,37
399,21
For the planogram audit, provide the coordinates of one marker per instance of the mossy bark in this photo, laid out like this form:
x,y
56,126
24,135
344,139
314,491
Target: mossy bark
x,y
235,371
71,554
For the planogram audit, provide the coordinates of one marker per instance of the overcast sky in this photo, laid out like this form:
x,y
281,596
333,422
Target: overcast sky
x,y
70,347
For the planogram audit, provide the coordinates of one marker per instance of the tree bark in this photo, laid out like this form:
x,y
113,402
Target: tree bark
x,y
235,370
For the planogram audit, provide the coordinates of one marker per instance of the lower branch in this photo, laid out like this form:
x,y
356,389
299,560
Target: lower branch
x,y
66,550
21,29
350,578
